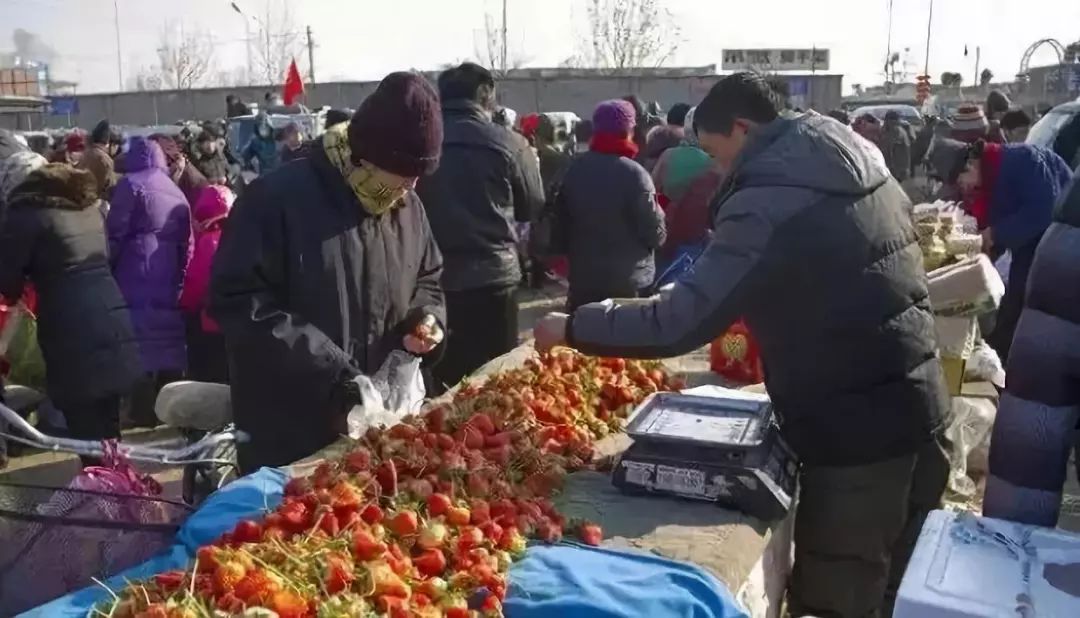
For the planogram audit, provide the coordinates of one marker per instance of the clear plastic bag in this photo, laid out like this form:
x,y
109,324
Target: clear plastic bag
x,y
393,392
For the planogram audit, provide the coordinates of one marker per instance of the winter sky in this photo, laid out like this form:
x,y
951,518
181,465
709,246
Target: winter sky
x,y
365,39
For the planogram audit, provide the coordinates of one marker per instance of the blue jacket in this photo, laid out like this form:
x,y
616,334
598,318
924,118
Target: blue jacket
x,y
1029,182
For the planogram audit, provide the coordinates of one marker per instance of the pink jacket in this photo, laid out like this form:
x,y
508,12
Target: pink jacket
x,y
208,217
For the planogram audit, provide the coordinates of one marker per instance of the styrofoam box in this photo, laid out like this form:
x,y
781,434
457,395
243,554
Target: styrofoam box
x,y
949,577
956,335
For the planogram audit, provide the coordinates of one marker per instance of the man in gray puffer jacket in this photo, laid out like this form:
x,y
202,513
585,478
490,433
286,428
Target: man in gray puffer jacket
x,y
814,246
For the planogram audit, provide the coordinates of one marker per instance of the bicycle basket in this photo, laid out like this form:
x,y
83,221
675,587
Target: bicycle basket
x,y
56,540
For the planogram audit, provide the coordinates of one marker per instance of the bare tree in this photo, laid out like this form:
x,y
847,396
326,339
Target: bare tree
x,y
950,79
626,34
230,78
184,59
275,45
146,79
491,53
1072,52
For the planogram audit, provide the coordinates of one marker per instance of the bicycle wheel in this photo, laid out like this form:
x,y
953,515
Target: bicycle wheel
x,y
201,480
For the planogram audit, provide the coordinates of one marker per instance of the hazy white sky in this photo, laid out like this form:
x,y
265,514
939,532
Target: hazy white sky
x,y
365,39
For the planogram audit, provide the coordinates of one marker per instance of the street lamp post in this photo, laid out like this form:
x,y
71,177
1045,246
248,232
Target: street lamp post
x,y
929,23
247,38
119,64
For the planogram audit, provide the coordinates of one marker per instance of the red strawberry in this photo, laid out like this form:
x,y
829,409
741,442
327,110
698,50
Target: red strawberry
x,y
430,562
387,476
365,546
170,581
438,504
470,537
295,516
591,534
404,523
329,524
288,605
479,512
458,516
227,575
255,588
297,487
372,514
339,574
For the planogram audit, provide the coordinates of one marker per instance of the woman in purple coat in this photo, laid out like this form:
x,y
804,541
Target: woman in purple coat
x,y
149,227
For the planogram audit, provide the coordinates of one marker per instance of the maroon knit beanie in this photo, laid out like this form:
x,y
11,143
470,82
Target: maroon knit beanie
x,y
615,117
399,127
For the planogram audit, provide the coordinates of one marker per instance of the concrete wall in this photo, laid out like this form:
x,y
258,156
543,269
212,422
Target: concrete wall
x,y
524,95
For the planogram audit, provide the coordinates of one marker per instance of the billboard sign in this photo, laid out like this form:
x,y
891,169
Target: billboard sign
x,y
63,106
775,60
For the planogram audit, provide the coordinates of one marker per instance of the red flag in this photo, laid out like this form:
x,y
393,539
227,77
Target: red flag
x,y
294,84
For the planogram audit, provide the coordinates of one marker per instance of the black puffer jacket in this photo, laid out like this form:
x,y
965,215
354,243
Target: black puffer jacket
x,y
813,244
488,178
310,290
54,236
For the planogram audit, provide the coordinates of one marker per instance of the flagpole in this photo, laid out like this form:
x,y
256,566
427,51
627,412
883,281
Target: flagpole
x,y
929,23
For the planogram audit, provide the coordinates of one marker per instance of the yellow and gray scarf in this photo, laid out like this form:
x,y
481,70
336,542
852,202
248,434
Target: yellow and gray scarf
x,y
374,196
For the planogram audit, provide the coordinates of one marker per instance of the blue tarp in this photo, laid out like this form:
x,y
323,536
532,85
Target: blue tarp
x,y
565,580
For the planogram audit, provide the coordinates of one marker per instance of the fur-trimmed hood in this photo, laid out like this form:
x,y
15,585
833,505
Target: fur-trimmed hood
x,y
57,185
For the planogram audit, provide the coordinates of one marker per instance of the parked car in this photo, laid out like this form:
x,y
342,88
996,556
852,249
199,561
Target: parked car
x,y
1059,130
312,123
907,113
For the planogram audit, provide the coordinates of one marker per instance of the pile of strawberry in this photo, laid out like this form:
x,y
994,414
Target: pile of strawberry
x,y
422,519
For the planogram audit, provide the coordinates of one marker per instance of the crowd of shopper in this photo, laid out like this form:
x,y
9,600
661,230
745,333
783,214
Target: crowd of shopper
x,y
411,224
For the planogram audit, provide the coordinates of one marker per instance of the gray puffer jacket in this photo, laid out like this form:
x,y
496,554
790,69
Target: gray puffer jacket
x,y
609,225
813,245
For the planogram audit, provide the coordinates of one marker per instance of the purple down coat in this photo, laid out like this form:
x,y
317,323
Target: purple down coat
x,y
149,227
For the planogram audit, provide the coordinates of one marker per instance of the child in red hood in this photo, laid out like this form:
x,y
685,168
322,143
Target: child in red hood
x,y
206,344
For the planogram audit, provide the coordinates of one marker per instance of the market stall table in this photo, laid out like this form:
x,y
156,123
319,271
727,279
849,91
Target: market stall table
x,y
751,557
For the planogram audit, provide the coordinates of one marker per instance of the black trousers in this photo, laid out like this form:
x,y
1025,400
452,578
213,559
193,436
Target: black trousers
x,y
855,530
207,361
482,324
1012,303
98,419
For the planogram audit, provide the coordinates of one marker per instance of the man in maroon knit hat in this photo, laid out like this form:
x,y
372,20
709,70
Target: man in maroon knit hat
x,y
327,265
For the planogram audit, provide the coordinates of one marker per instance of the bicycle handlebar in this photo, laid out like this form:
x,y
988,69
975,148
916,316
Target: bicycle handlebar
x,y
136,452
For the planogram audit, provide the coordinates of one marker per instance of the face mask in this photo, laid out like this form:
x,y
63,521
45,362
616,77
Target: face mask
x,y
375,195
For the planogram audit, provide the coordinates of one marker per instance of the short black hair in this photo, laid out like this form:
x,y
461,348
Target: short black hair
x,y
1015,119
840,116
583,131
336,117
739,95
104,133
464,82
676,116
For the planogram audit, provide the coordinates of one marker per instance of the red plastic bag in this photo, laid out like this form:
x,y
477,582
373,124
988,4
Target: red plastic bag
x,y
736,356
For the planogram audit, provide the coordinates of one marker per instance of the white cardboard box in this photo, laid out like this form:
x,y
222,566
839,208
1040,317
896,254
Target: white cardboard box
x,y
966,566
